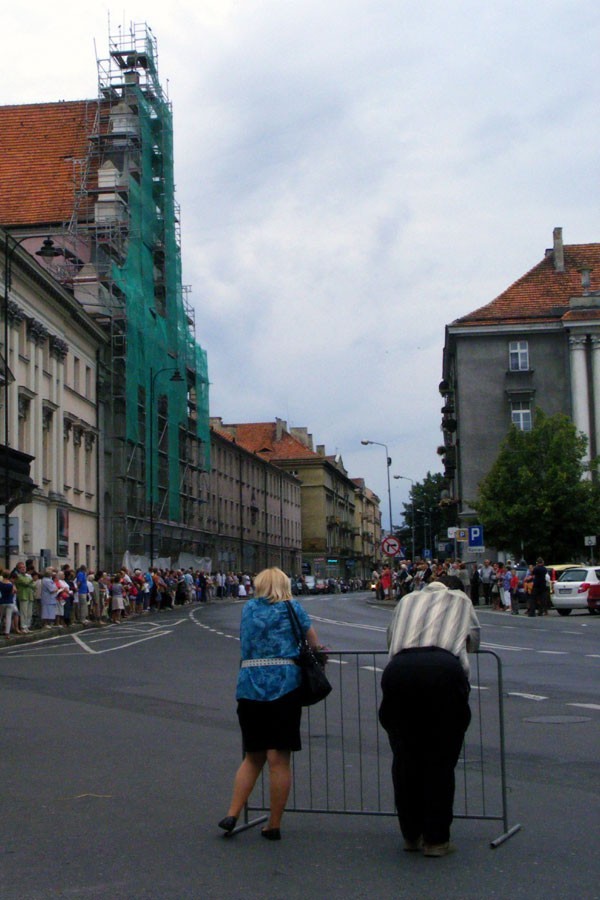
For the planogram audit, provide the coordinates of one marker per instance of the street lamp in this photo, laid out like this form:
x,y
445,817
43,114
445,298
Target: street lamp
x,y
412,495
426,524
388,464
47,251
176,377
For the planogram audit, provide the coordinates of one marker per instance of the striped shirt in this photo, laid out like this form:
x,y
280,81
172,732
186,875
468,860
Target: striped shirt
x,y
435,617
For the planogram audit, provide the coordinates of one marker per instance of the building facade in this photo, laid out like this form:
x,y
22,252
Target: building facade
x,y
536,345
50,413
337,528
252,515
96,179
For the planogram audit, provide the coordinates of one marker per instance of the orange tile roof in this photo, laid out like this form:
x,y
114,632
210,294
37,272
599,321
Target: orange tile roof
x,y
542,294
40,145
260,438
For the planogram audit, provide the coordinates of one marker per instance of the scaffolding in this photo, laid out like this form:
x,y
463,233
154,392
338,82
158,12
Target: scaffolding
x,y
125,268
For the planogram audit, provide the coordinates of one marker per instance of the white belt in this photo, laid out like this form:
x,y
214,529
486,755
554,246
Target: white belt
x,y
270,661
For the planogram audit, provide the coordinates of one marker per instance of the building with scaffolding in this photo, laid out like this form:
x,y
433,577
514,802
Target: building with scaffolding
x,y
96,179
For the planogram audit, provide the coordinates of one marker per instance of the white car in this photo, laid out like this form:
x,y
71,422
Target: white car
x,y
577,588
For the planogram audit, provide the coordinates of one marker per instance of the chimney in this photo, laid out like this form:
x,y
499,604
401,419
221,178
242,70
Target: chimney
x,y
559,250
280,429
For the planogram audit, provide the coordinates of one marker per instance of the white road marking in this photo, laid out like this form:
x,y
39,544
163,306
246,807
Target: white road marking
x,y
379,628
372,668
83,644
505,647
554,652
526,696
585,705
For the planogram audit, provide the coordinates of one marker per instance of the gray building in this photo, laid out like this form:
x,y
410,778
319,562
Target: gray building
x,y
535,345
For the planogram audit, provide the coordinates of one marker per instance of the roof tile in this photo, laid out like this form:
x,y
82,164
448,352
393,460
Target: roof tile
x,y
542,294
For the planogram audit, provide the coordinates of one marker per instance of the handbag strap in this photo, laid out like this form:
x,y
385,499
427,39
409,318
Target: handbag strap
x,y
295,622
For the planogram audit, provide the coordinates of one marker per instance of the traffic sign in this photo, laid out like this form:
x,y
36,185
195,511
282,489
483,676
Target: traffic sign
x,y
475,536
461,534
390,545
590,540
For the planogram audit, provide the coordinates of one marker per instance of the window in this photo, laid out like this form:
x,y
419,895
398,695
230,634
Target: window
x,y
518,356
521,414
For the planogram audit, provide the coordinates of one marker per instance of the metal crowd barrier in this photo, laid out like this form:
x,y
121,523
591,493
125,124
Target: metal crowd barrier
x,y
345,763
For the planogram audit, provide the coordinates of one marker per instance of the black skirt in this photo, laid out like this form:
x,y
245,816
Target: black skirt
x,y
271,724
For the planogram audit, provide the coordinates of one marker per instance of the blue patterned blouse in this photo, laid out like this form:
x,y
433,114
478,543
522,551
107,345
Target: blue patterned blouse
x,y
266,631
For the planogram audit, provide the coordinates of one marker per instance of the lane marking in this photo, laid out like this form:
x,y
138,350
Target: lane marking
x,y
526,696
554,652
585,705
372,668
379,628
83,644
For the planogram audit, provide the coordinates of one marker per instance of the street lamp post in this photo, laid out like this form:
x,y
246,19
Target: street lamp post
x,y
412,495
426,524
176,377
388,464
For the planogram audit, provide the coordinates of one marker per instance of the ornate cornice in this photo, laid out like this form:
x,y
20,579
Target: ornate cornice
x,y
58,348
36,331
16,313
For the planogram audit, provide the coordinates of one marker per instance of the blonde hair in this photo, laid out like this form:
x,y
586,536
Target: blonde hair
x,y
273,584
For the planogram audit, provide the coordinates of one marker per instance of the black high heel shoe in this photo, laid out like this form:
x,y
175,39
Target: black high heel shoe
x,y
228,824
271,834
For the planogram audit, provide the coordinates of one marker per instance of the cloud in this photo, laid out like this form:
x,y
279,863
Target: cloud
x,y
353,176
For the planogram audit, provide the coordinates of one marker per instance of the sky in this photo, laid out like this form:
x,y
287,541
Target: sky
x,y
353,176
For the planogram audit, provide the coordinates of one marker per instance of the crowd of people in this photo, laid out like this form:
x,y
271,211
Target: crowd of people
x,y
502,586
65,596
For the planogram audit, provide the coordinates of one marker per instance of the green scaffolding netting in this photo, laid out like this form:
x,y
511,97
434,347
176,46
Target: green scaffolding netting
x,y
159,338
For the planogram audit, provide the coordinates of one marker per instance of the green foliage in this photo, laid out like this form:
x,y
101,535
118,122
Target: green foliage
x,y
431,520
533,502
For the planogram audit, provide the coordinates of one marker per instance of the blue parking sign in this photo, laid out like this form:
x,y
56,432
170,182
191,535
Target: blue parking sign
x,y
475,535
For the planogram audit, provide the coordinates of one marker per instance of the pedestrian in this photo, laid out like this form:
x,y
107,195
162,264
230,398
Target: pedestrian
x,y
83,595
487,578
514,592
8,603
49,605
475,582
269,707
425,709
25,586
539,596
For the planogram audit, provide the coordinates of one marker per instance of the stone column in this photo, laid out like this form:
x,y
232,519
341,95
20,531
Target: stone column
x,y
580,393
596,387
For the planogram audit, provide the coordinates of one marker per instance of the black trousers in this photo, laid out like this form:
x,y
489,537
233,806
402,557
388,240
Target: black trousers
x,y
425,711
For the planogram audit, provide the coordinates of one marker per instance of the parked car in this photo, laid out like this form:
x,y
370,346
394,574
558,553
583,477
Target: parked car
x,y
578,587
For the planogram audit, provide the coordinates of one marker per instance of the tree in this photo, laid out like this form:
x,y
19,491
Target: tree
x,y
535,500
431,518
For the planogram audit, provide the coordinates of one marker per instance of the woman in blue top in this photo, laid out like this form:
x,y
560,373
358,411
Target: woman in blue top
x,y
269,708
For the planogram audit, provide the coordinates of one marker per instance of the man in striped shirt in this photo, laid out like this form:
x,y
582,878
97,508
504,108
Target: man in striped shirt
x,y
425,708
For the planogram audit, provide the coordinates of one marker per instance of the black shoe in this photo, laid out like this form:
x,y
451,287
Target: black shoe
x,y
228,824
271,834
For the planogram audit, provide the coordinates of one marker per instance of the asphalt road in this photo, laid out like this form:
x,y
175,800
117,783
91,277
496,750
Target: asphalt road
x,y
119,745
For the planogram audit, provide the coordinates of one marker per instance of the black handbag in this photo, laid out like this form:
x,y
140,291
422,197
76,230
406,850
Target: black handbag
x,y
315,685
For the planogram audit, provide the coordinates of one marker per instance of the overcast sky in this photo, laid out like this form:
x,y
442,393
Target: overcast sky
x,y
353,175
